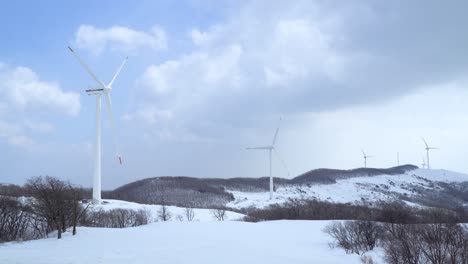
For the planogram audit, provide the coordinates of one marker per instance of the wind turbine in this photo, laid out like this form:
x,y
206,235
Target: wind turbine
x,y
365,158
270,149
98,92
427,153
423,163
398,158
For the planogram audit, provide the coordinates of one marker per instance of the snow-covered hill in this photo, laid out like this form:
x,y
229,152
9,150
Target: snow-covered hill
x,y
186,242
415,186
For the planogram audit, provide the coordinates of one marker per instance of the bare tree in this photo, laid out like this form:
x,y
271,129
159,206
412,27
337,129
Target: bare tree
x,y
49,194
57,201
164,214
219,213
189,213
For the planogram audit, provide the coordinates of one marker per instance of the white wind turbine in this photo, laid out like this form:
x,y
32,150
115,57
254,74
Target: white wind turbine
x,y
427,153
270,149
423,164
365,158
101,90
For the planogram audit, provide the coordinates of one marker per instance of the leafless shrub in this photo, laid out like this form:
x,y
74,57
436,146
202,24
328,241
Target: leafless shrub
x,y
189,213
367,260
117,218
18,222
219,213
401,244
354,236
164,214
179,218
250,219
439,243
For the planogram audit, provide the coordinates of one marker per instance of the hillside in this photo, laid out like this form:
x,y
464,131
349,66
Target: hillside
x,y
415,186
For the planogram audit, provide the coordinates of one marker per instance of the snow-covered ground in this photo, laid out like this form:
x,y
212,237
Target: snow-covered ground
x,y
357,189
186,242
200,214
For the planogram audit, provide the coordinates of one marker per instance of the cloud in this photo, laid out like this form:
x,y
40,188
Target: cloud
x,y
339,73
150,115
194,73
271,59
22,88
119,38
14,135
40,127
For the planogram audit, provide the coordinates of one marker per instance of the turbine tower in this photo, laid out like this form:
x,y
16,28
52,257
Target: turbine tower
x,y
428,166
98,92
270,149
365,158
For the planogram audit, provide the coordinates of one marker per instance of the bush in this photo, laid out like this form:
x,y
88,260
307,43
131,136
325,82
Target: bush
x,y
117,218
354,236
438,243
18,222
219,213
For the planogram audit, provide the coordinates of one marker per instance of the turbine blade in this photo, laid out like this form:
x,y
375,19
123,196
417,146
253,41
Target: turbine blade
x,y
87,68
265,147
276,133
112,125
425,143
117,73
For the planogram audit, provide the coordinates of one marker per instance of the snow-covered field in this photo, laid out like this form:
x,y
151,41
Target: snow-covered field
x,y
357,189
236,242
200,214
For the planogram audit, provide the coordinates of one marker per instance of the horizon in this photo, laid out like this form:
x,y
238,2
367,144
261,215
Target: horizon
x,y
259,177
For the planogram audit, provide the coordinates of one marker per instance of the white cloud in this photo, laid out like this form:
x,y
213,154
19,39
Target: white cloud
x,y
150,115
13,134
205,38
195,73
41,127
119,38
21,141
22,88
299,50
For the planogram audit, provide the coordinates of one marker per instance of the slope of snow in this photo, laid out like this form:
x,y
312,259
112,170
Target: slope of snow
x,y
200,214
441,175
186,242
352,190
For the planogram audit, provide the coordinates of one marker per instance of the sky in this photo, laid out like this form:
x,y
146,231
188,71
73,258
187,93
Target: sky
x,y
206,79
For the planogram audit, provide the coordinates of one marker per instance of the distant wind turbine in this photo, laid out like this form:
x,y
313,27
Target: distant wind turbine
x,y
270,149
105,90
427,153
423,163
398,158
365,158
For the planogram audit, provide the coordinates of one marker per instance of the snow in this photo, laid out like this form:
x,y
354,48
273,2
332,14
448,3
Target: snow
x,y
351,190
200,214
186,242
441,175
